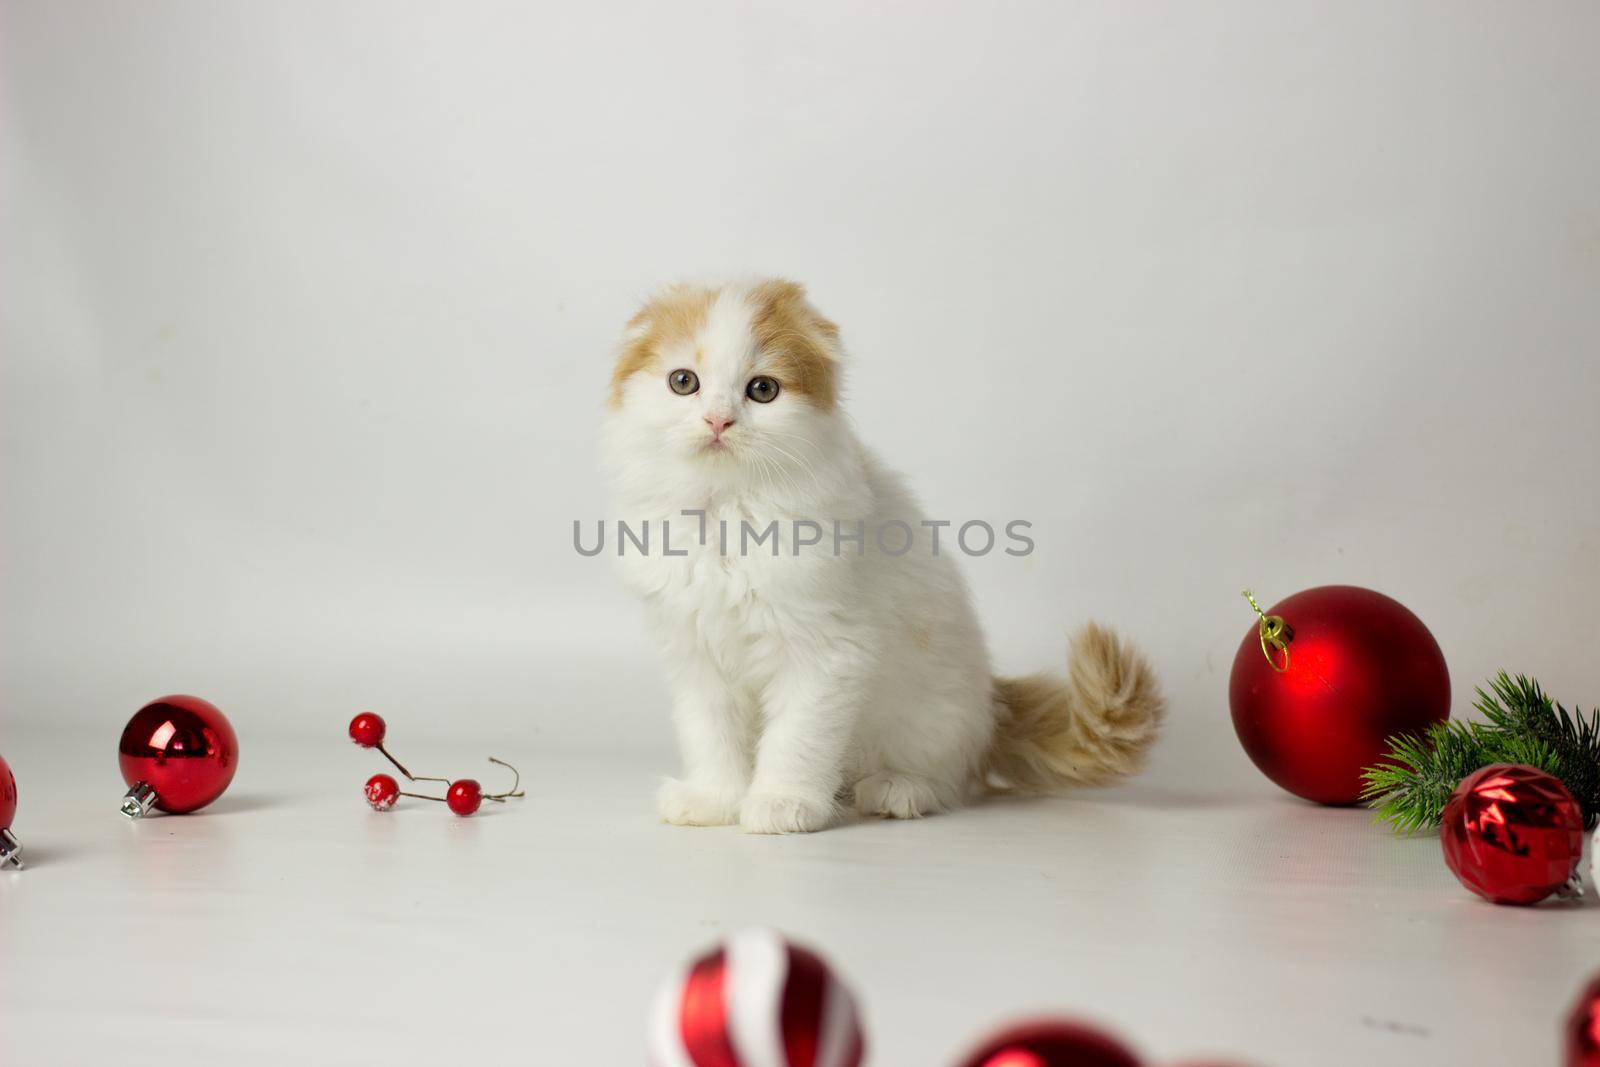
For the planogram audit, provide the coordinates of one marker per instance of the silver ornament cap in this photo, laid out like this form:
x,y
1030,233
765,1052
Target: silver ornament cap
x,y
138,801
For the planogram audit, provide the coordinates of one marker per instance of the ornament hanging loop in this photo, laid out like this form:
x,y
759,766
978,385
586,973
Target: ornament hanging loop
x,y
1275,635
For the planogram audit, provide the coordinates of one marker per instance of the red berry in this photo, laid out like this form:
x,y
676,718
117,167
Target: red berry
x,y
464,797
382,791
368,730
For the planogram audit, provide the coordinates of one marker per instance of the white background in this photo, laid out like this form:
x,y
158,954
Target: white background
x,y
308,311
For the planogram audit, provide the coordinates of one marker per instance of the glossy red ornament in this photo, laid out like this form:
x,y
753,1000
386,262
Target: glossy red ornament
x,y
382,791
1350,669
1583,1028
178,754
1512,834
1051,1043
9,846
464,796
368,729
756,999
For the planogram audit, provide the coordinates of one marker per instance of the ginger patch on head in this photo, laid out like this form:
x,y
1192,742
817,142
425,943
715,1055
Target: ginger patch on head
x,y
801,345
795,344
676,315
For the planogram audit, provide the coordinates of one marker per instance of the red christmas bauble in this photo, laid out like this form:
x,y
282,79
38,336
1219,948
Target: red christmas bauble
x,y
368,729
10,848
8,795
464,797
1512,834
756,999
1051,1043
178,754
1583,1028
1355,668
382,791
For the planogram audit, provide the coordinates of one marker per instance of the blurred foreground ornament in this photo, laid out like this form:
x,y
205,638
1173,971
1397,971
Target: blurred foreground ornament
x,y
1583,1028
10,848
1513,835
1322,681
1051,1043
756,999
178,754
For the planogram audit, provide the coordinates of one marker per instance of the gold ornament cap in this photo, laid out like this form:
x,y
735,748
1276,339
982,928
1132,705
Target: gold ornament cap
x,y
1275,635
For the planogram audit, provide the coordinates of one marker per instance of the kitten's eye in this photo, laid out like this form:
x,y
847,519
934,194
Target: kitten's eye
x,y
762,390
684,382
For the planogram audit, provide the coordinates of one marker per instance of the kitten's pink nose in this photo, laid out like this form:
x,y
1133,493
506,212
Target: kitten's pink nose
x,y
718,423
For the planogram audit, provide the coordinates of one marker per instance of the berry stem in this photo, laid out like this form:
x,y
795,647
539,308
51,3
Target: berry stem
x,y
514,791
401,767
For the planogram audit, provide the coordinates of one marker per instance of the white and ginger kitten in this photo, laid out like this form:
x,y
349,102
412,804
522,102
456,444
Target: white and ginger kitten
x,y
807,673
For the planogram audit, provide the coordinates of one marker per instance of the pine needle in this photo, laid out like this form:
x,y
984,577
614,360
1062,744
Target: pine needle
x,y
1409,788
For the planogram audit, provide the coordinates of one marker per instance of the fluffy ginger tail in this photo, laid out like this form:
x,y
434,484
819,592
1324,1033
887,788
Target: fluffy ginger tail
x,y
1092,727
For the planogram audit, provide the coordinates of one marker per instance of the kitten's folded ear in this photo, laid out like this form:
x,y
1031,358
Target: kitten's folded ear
x,y
678,309
801,342
779,299
675,313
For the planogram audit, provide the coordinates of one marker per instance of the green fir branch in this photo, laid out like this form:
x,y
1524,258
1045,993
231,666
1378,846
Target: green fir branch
x,y
1519,708
1410,787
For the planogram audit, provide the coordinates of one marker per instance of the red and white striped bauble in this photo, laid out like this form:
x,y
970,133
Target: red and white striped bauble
x,y
756,1000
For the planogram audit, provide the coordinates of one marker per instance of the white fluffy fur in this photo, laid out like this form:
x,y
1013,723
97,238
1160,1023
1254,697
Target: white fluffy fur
x,y
802,680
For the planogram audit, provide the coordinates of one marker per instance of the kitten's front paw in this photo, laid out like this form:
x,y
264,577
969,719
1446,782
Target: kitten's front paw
x,y
686,804
897,796
780,813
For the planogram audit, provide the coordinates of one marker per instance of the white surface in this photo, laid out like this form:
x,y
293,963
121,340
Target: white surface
x,y
1193,912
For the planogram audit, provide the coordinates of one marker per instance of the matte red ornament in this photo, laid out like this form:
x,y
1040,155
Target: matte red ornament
x,y
382,791
368,729
1325,679
1051,1043
1583,1028
178,754
10,848
1513,834
464,796
756,998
